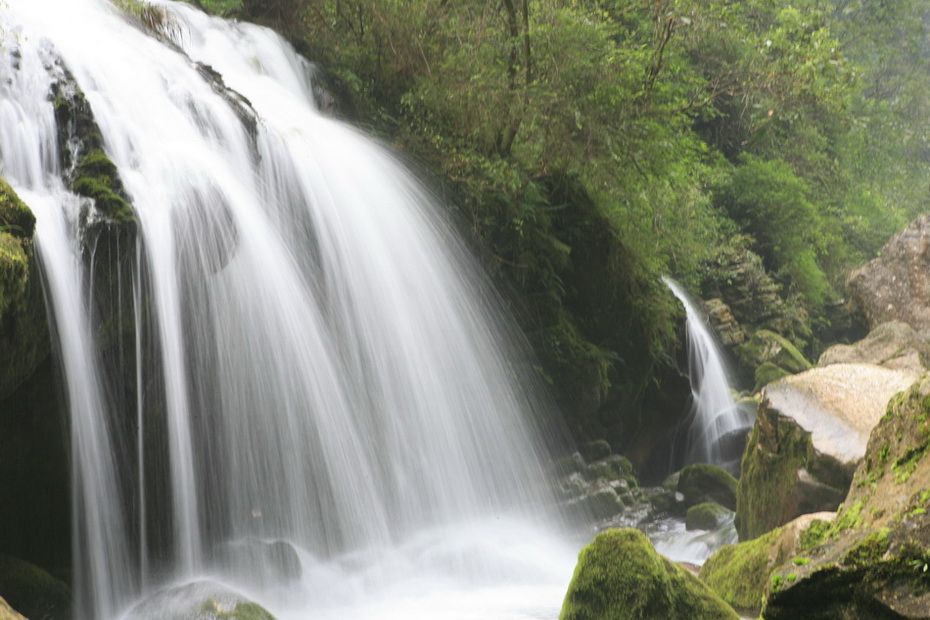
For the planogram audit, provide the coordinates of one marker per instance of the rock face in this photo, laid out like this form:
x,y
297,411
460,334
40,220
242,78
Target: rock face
x,y
894,345
873,560
621,577
895,286
810,434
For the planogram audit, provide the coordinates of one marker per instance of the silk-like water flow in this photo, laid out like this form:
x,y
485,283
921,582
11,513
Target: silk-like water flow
x,y
284,375
714,417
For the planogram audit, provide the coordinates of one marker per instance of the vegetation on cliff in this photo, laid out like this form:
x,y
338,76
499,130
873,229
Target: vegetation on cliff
x,y
590,147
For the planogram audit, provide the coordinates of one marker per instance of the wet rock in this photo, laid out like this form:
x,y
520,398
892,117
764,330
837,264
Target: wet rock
x,y
202,600
701,483
706,516
620,576
253,560
723,323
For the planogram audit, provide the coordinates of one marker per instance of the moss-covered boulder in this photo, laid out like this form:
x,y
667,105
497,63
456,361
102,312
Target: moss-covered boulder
x,y
620,576
202,600
741,573
706,516
810,434
701,483
873,559
767,347
32,591
24,337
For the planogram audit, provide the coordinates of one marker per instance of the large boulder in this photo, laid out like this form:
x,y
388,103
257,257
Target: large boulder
x,y
810,434
896,285
620,576
873,559
740,573
894,345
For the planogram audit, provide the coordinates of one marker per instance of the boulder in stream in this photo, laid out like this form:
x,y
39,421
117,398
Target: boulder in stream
x,y
620,576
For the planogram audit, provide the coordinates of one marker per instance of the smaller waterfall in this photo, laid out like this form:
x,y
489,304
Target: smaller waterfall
x,y
715,418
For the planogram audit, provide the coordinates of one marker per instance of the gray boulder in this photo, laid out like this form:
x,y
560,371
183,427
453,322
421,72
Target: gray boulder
x,y
896,285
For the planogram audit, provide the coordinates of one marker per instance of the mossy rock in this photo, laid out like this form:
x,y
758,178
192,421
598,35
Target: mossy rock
x,y
873,559
740,573
783,476
201,600
620,576
24,337
595,450
32,591
614,467
768,347
599,504
706,516
702,482
568,465
768,373
15,217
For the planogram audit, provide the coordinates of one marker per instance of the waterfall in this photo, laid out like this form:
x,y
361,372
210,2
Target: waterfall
x,y
714,415
283,344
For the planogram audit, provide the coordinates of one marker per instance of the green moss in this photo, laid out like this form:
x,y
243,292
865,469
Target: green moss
x,y
776,449
801,561
15,217
868,551
768,373
707,483
619,576
815,534
24,339
706,516
740,573
96,177
595,450
242,611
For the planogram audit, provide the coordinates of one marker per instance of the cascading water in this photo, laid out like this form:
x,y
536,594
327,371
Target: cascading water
x,y
715,416
284,344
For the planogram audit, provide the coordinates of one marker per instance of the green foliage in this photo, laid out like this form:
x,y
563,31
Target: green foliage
x,y
770,202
